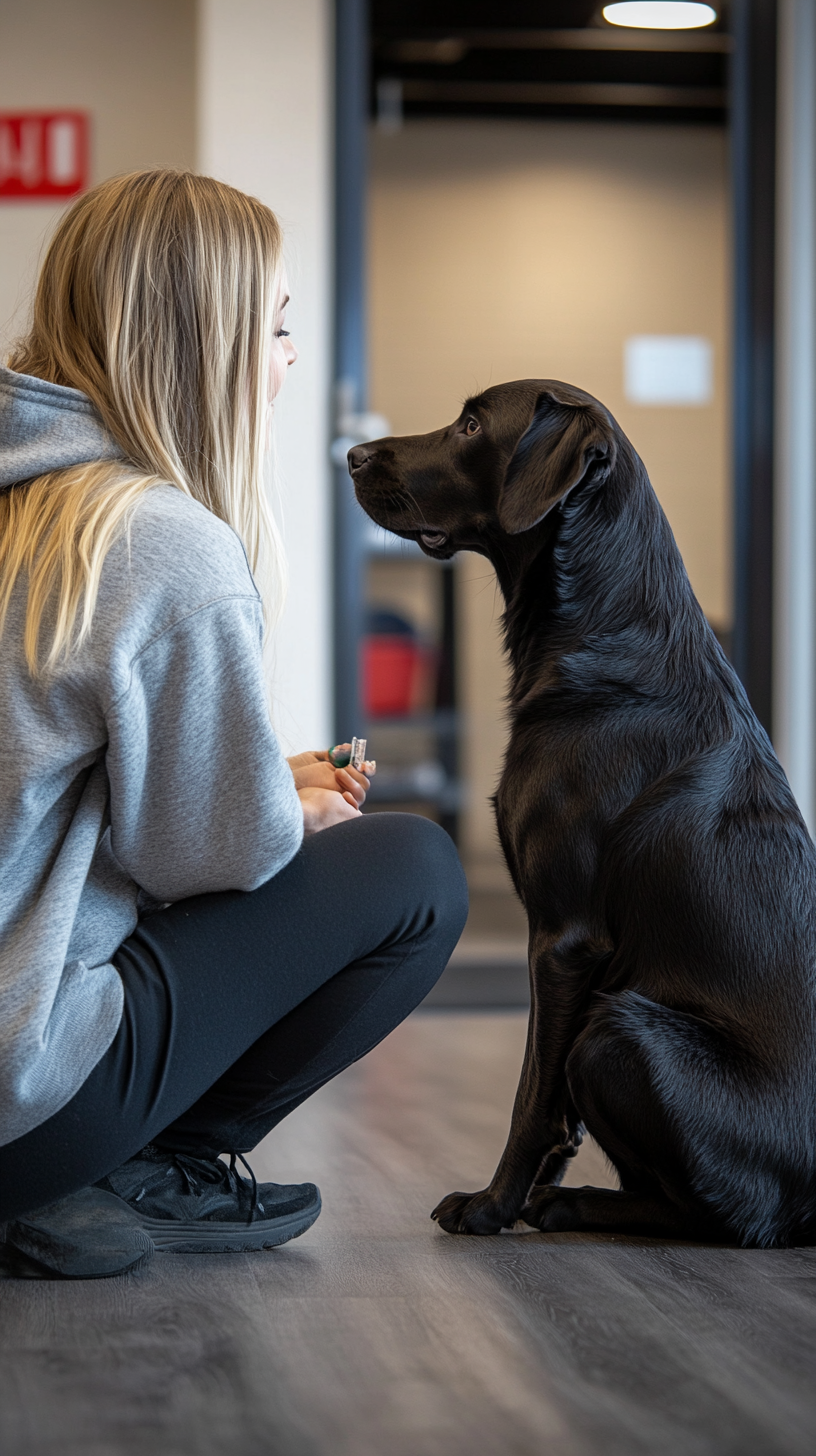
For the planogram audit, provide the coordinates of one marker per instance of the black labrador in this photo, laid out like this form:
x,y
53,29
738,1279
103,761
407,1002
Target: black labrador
x,y
668,878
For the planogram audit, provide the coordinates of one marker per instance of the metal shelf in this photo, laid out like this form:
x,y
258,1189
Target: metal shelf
x,y
425,783
434,780
445,721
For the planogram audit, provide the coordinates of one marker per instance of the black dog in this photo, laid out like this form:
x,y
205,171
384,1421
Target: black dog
x,y
668,877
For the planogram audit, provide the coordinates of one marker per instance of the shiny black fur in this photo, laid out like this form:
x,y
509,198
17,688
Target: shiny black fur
x,y
668,877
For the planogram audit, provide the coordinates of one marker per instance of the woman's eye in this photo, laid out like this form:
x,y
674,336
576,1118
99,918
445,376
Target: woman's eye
x,y
282,334
472,427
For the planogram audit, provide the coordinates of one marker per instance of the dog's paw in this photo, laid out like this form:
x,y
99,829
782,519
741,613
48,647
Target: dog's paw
x,y
552,1210
471,1213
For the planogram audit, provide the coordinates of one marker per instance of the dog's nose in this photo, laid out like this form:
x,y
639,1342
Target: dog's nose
x,y
358,455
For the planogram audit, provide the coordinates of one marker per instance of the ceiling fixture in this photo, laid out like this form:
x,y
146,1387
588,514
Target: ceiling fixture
x,y
660,14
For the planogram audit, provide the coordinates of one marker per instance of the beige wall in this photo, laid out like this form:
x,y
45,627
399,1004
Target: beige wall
x,y
131,64
503,250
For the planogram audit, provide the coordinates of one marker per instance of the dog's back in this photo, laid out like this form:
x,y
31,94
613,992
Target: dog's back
x,y
642,801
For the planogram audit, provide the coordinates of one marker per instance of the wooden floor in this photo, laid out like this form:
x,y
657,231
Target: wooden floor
x,y
377,1335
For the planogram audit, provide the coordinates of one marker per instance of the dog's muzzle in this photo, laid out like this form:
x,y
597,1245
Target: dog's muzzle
x,y
358,456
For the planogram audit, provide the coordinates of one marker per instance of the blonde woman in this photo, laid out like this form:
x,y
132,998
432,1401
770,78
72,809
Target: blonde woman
x,y
195,934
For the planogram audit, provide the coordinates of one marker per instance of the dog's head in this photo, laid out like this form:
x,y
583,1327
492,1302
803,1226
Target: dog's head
x,y
512,455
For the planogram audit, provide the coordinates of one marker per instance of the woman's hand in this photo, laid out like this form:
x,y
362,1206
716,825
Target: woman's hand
x,y
305,760
316,771
324,807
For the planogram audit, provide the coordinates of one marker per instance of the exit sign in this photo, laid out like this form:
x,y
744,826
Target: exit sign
x,y
43,154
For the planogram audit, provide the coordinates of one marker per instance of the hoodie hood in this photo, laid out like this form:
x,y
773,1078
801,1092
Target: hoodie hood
x,y
47,427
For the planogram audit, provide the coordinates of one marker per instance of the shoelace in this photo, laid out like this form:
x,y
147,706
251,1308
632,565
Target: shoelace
x,y
196,1171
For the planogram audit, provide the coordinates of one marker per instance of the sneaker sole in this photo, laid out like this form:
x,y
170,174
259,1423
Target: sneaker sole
x,y
14,1264
229,1238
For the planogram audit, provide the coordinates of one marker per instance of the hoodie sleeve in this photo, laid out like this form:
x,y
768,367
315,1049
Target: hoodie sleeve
x,y
202,798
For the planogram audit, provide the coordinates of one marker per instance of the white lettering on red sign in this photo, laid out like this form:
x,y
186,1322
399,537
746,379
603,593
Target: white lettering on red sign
x,y
43,153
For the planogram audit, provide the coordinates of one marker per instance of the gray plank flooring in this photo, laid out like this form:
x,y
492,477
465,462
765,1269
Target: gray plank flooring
x,y
377,1335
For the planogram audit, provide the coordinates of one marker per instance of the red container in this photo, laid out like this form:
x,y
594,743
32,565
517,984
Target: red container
x,y
391,671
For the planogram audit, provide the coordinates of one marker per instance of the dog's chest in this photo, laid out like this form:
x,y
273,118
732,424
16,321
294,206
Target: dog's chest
x,y
547,818
529,803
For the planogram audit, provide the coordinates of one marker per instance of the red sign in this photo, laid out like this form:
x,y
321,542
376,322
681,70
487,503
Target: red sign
x,y
43,153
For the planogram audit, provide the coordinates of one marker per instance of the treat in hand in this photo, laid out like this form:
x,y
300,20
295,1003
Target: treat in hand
x,y
345,754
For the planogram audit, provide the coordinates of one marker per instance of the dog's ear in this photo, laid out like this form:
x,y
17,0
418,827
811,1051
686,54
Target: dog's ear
x,y
553,455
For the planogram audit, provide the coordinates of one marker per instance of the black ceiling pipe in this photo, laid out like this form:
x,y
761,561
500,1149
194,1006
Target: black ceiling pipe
x,y
753,155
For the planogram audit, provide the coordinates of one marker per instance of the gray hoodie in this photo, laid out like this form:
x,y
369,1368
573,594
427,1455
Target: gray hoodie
x,y
142,771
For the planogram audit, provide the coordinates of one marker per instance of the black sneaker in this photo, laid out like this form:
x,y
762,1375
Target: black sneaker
x,y
88,1235
203,1205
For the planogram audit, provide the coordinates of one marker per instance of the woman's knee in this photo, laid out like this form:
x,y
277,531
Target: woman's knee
x,y
423,858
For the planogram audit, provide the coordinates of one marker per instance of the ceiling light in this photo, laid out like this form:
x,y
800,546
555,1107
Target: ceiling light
x,y
660,14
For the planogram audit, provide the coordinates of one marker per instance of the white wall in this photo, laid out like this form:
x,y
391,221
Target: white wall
x,y
264,125
242,89
131,64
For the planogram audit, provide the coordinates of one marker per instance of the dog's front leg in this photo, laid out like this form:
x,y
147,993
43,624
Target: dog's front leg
x,y
544,1125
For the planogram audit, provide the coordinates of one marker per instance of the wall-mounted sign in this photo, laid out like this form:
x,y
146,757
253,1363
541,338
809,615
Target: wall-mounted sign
x,y
43,154
675,369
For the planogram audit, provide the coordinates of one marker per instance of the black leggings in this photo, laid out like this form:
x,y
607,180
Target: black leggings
x,y
239,1006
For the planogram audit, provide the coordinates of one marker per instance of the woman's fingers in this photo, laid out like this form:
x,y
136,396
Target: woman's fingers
x,y
315,776
352,781
323,775
324,807
305,760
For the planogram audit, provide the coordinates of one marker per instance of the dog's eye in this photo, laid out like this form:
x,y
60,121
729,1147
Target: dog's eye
x,y
472,427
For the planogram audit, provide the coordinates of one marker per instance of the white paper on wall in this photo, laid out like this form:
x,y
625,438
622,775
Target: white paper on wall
x,y
668,369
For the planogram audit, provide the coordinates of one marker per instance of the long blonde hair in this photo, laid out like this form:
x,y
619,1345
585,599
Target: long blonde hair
x,y
157,299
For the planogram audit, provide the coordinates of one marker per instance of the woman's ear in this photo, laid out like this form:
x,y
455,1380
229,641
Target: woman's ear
x,y
553,455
